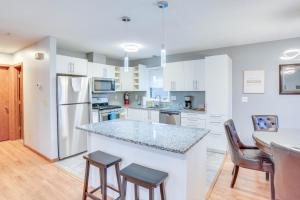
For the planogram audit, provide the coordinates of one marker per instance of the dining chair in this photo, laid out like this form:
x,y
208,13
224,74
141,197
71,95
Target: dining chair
x,y
287,174
265,122
249,158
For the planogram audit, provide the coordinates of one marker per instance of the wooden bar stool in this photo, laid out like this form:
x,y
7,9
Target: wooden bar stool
x,y
145,177
103,161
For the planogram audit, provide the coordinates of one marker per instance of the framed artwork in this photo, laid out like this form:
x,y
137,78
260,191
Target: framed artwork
x,y
254,81
289,79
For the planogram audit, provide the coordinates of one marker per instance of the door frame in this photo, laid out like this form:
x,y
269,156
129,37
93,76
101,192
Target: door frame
x,y
16,100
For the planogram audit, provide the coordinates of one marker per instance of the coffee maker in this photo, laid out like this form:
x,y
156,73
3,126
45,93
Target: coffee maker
x,y
188,102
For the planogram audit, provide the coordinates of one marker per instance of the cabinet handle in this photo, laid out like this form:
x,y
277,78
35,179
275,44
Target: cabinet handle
x,y
73,67
196,84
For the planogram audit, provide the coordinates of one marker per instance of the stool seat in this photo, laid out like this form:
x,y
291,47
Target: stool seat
x,y
144,175
101,158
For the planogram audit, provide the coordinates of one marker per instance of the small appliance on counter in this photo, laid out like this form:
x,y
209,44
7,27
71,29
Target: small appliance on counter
x,y
102,111
188,102
126,98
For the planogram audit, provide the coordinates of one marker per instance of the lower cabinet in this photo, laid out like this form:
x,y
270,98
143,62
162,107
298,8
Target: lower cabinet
x,y
143,115
193,120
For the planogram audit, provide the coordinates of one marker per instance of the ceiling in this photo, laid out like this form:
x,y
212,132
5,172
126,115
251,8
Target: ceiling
x,y
95,25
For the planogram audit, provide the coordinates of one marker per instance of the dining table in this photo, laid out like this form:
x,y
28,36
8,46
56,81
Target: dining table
x,y
283,136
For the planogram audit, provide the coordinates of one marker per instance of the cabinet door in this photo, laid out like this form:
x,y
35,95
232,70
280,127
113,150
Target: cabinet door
x,y
173,77
199,75
95,70
109,71
70,65
189,75
126,80
79,67
194,75
154,116
63,65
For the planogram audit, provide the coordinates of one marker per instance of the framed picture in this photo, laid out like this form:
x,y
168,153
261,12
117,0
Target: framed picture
x,y
254,82
289,79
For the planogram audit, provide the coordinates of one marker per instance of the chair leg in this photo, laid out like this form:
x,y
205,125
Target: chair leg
x,y
136,192
118,178
232,171
103,175
236,171
151,194
272,186
86,180
162,191
267,176
123,190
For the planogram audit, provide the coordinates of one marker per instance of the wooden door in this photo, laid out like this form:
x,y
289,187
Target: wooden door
x,y
4,103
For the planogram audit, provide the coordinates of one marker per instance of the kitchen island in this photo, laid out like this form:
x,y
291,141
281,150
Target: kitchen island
x,y
179,151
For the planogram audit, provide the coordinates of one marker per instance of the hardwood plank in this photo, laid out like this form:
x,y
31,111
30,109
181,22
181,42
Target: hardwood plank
x,y
249,185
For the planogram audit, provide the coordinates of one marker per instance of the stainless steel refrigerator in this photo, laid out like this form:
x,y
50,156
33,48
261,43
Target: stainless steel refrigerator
x,y
73,109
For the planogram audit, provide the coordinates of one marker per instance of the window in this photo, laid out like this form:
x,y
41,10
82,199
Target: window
x,y
156,84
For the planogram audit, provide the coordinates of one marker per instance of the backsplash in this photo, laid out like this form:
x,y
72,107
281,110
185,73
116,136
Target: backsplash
x,y
117,98
198,98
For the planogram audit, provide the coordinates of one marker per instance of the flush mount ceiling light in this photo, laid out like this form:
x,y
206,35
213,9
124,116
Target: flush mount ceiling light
x,y
291,54
163,53
131,47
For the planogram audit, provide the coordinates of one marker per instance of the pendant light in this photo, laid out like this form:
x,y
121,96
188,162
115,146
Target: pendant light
x,y
126,57
163,53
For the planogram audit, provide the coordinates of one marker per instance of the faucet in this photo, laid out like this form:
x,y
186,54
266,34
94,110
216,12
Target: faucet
x,y
159,100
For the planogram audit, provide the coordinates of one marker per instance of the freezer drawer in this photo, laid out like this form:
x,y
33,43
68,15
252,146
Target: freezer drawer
x,y
71,141
72,89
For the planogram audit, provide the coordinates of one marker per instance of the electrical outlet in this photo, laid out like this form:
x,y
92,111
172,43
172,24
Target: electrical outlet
x,y
173,98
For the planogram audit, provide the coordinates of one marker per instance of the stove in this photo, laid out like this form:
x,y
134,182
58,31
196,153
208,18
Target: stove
x,y
102,111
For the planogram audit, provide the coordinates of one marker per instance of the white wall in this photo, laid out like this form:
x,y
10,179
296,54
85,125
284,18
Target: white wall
x,y
6,58
40,102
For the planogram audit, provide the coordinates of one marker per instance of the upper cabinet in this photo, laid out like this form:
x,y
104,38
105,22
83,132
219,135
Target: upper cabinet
x,y
100,70
185,76
71,65
194,75
136,79
218,84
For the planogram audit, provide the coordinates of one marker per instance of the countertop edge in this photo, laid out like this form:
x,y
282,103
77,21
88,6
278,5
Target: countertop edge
x,y
148,145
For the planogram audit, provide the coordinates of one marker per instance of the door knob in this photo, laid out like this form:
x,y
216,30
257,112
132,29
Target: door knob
x,y
6,109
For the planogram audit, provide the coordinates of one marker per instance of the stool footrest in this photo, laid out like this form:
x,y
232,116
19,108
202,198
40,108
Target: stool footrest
x,y
92,196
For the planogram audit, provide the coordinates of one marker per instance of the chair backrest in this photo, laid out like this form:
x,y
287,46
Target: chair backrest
x,y
265,122
287,172
234,142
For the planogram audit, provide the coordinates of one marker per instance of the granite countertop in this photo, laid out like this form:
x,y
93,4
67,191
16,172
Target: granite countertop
x,y
176,139
165,108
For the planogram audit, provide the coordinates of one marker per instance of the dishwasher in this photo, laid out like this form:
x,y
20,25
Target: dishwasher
x,y
169,117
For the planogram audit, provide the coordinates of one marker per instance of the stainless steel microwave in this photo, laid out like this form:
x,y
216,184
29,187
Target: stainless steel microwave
x,y
103,85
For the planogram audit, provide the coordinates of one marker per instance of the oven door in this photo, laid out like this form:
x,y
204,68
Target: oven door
x,y
105,116
103,85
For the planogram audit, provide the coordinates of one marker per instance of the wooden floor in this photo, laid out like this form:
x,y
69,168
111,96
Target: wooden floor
x,y
250,185
25,175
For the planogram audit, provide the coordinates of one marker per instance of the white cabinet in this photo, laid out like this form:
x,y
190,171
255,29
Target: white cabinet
x,y
194,75
71,65
143,115
174,77
218,99
194,120
136,79
218,84
185,76
100,70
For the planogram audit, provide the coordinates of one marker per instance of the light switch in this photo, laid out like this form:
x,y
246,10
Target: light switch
x,y
245,99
